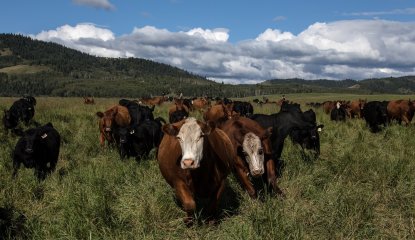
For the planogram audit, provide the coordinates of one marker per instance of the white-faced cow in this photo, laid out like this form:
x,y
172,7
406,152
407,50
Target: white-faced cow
x,y
195,158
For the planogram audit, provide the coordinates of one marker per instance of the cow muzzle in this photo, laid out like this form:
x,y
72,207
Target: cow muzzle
x,y
107,129
257,172
188,163
28,150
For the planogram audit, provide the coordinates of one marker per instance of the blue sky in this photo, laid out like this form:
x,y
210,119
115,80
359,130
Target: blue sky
x,y
229,40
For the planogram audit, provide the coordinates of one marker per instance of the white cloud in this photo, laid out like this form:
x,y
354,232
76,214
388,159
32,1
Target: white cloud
x,y
217,34
337,50
104,4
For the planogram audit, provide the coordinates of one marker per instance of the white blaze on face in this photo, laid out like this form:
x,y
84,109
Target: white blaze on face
x,y
254,154
338,104
190,138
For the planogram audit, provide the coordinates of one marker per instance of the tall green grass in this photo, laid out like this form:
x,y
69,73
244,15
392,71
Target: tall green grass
x,y
361,187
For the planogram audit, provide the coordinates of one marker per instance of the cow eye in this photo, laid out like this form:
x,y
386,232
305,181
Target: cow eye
x,y
260,151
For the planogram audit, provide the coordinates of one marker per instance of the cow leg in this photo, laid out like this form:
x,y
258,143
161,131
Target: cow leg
x,y
272,177
245,182
183,193
405,119
213,203
102,139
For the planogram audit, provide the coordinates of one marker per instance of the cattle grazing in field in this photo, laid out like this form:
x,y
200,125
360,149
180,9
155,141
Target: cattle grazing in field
x,y
21,110
338,113
178,111
114,117
356,108
244,109
252,147
401,110
138,140
89,100
37,148
195,158
375,113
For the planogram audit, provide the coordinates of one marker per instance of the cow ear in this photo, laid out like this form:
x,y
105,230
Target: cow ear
x,y
170,129
100,114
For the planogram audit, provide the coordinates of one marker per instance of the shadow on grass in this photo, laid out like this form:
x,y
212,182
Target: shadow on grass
x,y
12,224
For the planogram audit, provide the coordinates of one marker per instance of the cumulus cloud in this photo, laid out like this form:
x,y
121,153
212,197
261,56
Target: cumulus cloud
x,y
355,49
104,4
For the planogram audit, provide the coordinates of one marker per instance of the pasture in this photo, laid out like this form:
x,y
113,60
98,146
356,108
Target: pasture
x,y
361,187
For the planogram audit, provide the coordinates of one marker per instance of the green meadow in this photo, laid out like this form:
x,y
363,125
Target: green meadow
x,y
361,187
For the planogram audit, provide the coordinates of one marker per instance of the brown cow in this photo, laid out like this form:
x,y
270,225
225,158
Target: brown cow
x,y
89,100
200,103
115,116
195,158
356,107
252,147
401,110
153,101
219,111
328,106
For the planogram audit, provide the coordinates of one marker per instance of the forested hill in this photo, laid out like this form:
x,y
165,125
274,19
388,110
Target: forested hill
x,y
44,68
29,66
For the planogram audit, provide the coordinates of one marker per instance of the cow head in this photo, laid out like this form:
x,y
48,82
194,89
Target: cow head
x,y
146,113
106,121
191,136
254,154
32,139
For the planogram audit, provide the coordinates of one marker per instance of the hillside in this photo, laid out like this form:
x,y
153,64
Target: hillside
x,y
42,68
29,66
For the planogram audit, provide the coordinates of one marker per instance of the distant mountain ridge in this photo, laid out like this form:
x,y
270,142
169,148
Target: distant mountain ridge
x,y
29,66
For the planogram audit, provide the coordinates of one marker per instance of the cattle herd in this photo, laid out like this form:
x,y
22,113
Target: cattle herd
x,y
195,156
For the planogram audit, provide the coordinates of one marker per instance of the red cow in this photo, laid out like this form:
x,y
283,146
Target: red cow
x,y
115,116
401,110
195,158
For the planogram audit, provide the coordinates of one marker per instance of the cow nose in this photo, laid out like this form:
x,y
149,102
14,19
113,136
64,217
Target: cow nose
x,y
188,163
29,150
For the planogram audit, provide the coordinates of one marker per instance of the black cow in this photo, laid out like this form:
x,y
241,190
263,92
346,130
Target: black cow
x,y
300,126
338,113
375,113
21,110
36,148
138,113
137,141
244,109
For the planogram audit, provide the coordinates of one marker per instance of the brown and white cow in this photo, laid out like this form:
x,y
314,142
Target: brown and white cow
x,y
115,116
401,110
195,158
252,147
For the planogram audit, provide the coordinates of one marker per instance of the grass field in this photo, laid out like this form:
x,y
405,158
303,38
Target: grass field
x,y
361,187
24,69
